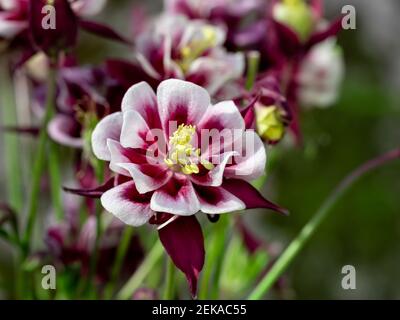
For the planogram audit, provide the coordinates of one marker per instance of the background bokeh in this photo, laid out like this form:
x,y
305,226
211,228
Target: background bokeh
x,y
364,228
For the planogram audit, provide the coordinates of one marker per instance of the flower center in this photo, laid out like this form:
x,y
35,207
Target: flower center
x,y
182,156
197,46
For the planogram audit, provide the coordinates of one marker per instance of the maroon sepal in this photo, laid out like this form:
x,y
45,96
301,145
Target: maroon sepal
x,y
251,197
94,193
183,240
103,31
33,131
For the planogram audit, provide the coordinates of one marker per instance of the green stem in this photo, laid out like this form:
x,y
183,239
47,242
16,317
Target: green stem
x,y
214,259
253,60
11,141
309,229
55,181
39,161
141,273
119,259
169,290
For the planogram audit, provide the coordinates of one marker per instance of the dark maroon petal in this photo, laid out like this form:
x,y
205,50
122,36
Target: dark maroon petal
x,y
332,30
128,74
289,41
103,31
251,197
251,242
65,33
248,113
183,240
160,218
93,192
6,213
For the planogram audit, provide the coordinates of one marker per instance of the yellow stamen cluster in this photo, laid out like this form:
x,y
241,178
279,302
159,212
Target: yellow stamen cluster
x,y
182,156
198,46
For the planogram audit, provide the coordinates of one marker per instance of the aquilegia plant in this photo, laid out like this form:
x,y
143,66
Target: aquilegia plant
x,y
167,127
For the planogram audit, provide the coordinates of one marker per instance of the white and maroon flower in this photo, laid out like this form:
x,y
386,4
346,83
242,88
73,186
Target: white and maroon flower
x,y
175,47
14,14
153,143
243,19
320,75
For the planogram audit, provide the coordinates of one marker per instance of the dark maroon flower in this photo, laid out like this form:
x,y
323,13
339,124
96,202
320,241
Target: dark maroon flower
x,y
53,25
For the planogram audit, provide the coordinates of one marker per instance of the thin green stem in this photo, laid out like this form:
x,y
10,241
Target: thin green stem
x,y
11,141
55,181
119,259
39,161
214,259
253,60
169,290
310,228
141,273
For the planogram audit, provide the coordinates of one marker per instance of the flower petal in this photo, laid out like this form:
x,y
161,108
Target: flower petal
x,y
176,197
251,197
223,115
148,177
108,128
65,131
10,28
141,98
88,7
135,132
250,162
127,204
216,200
213,177
183,240
181,102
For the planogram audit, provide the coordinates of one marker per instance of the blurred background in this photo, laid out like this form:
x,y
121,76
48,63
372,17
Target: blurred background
x,y
363,230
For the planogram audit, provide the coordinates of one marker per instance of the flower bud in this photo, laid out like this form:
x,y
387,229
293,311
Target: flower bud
x,y
297,15
53,25
269,123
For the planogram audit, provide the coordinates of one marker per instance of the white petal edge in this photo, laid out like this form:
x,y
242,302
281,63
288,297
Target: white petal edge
x,y
183,206
129,212
108,128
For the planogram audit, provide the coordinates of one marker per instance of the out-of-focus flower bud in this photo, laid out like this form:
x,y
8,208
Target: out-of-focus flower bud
x,y
53,25
270,125
321,74
297,15
37,67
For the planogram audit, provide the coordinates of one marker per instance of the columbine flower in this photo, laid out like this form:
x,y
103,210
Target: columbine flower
x,y
21,24
242,18
154,142
320,75
267,111
174,47
83,97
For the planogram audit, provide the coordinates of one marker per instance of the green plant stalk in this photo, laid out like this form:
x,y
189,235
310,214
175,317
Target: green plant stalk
x,y
141,273
39,161
310,228
253,60
169,289
55,181
214,258
119,259
11,141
